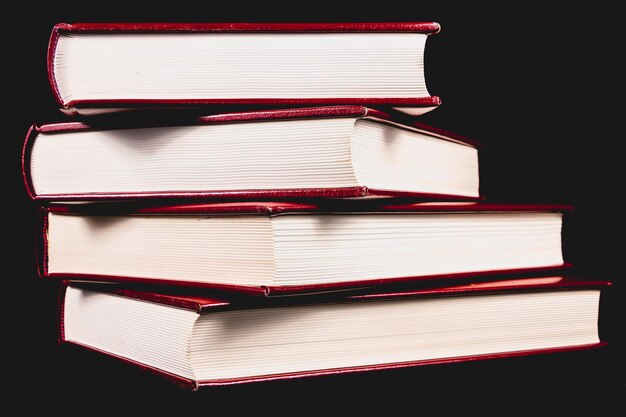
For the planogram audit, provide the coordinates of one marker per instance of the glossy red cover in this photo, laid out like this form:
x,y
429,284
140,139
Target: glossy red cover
x,y
422,27
419,27
205,304
284,208
242,117
202,301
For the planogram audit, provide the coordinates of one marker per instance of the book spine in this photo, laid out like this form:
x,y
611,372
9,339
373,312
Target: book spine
x,y
41,243
416,196
429,101
26,153
52,48
359,27
343,192
61,313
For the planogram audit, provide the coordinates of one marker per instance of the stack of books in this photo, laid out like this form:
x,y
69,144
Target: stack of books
x,y
248,202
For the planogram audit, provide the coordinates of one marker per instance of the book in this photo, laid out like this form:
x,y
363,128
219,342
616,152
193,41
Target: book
x,y
335,151
278,248
96,67
197,340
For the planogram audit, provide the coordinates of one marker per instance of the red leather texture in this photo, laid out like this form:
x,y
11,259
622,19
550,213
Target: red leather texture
x,y
26,151
61,312
328,206
345,192
432,101
277,291
41,242
292,193
420,27
205,304
280,208
242,117
170,283
316,289
201,301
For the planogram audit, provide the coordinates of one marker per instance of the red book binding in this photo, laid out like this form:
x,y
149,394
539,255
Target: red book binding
x,y
281,208
264,194
410,105
202,303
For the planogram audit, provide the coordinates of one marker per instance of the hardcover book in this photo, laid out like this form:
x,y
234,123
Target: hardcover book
x,y
337,151
274,248
102,67
197,341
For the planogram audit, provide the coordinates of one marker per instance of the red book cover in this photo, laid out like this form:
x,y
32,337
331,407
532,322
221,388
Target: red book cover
x,y
202,304
272,209
357,112
411,105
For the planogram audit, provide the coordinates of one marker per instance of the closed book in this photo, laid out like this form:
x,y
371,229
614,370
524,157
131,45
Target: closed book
x,y
103,67
336,151
197,340
277,248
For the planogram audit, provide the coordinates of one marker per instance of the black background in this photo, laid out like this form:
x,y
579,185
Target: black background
x,y
538,88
